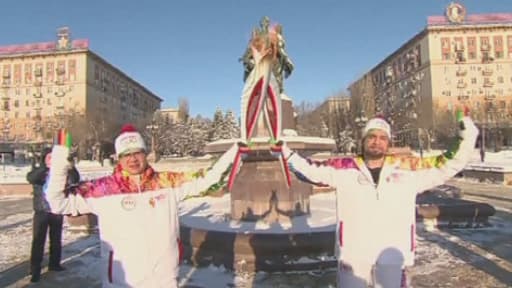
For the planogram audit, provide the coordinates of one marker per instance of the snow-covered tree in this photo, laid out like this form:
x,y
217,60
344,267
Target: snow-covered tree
x,y
217,125
232,130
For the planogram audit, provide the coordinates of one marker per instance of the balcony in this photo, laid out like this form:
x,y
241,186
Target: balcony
x,y
462,85
461,72
489,97
59,93
459,58
488,84
486,58
487,71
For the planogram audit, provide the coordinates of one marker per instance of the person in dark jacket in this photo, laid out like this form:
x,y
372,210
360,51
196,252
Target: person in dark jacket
x,y
43,219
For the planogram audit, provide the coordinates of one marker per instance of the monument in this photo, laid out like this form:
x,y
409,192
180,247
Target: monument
x,y
260,184
262,192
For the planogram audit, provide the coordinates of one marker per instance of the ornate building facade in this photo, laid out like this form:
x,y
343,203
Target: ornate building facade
x,y
458,60
49,85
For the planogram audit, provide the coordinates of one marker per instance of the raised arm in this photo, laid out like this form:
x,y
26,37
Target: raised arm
x,y
212,176
437,170
316,172
62,199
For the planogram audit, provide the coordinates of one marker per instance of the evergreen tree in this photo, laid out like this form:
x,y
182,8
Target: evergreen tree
x,y
217,125
232,129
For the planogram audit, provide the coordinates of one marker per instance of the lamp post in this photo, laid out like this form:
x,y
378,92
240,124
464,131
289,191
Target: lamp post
x,y
153,128
360,122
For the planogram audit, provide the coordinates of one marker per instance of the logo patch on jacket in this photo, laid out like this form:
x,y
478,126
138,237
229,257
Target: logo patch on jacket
x,y
128,203
393,177
154,200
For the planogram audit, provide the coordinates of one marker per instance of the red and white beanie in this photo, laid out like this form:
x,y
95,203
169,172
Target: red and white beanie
x,y
377,123
129,140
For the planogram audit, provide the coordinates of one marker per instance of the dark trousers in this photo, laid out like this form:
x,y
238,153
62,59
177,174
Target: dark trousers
x,y
43,221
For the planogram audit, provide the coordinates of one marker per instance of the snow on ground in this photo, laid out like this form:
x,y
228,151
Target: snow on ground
x,y
462,253
213,214
447,258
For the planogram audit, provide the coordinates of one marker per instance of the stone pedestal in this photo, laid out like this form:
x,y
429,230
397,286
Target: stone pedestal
x,y
288,119
260,191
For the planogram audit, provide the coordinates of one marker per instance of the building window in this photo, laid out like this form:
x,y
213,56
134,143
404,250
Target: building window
x,y
445,44
447,93
500,79
27,104
473,80
484,43
472,47
446,56
16,103
16,114
27,114
498,46
509,45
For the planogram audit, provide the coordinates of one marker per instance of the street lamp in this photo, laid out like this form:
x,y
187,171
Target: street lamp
x,y
360,121
153,128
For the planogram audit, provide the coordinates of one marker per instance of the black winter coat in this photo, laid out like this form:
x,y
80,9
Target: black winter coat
x,y
37,177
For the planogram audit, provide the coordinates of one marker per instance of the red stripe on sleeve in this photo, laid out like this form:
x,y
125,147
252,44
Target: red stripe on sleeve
x,y
340,234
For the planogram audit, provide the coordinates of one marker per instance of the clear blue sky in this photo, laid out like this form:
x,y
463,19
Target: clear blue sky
x,y
191,48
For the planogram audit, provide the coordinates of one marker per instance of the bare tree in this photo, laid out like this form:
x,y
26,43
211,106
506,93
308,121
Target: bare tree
x,y
445,127
183,109
308,122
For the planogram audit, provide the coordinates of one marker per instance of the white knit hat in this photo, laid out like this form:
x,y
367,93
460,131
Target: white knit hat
x,y
129,140
377,123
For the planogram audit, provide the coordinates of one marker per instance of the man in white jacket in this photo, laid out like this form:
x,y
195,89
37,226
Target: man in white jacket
x,y
137,211
376,196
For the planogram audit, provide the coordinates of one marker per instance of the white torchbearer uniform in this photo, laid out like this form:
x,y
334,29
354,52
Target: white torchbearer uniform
x,y
376,221
139,231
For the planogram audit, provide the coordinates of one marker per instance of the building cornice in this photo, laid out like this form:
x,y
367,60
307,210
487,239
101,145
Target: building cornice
x,y
117,70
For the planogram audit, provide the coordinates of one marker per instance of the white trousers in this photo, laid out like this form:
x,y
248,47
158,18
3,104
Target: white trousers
x,y
375,276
